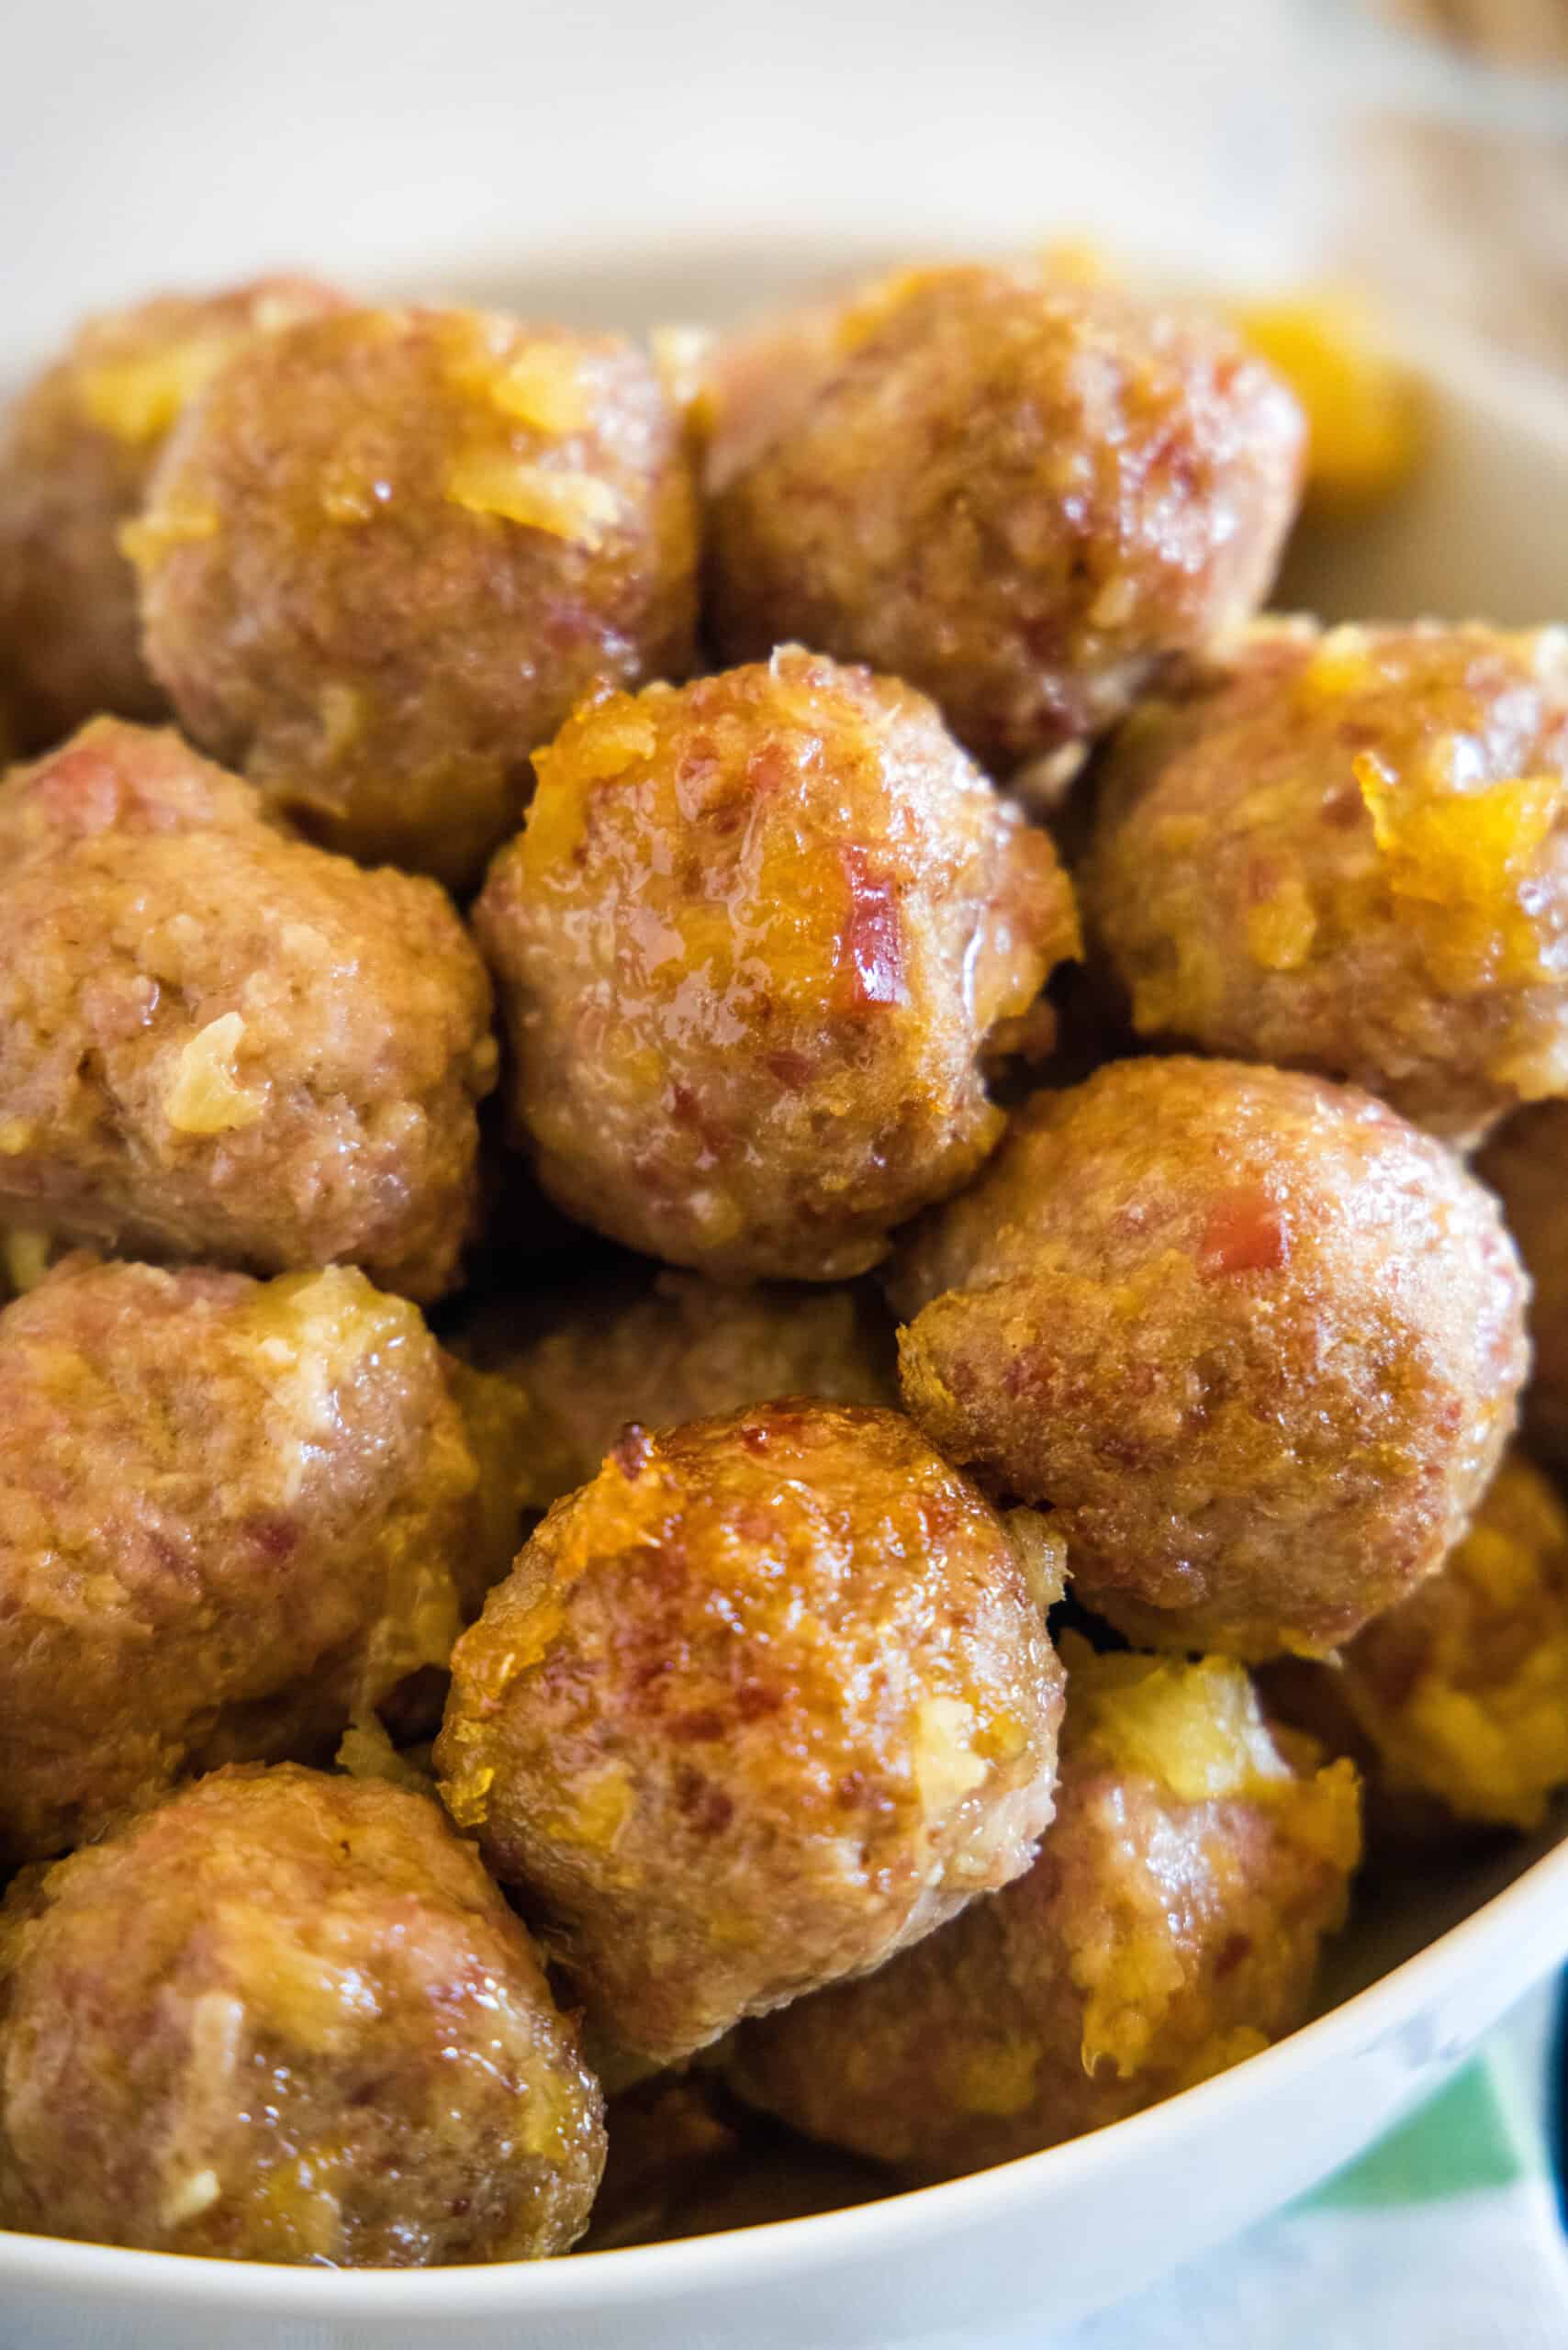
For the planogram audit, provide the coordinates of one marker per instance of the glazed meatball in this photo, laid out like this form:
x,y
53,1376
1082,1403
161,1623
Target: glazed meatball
x,y
1255,1339
1348,853
754,946
386,554
77,453
219,1042
288,2018
1026,495
1527,1164
233,1514
1170,1927
1460,1695
676,1348
769,1700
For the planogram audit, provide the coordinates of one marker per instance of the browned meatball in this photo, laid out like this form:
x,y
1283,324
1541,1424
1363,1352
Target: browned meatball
x,y
1170,1927
1348,853
218,1041
1256,1339
765,1702
232,1515
754,945
77,453
387,551
659,1352
1026,495
1527,1164
1461,1693
286,2017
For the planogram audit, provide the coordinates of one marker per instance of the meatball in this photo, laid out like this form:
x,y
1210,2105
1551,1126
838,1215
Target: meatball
x,y
1348,853
1254,1339
754,946
288,2018
1026,495
676,1348
77,453
232,1515
218,1041
1460,1695
386,552
1527,1164
1170,1927
769,1700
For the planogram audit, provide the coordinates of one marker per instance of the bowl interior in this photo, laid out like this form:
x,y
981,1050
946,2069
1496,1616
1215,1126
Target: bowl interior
x,y
1476,534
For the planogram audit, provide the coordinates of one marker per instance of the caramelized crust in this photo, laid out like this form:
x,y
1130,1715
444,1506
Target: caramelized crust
x,y
218,1042
386,552
753,946
1257,1341
1348,853
1027,497
765,1702
1170,1927
288,2018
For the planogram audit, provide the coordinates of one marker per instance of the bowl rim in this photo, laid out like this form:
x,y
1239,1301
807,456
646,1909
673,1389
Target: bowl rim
x,y
1528,1919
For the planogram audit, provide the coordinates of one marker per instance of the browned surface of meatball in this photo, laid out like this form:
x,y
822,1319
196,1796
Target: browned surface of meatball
x,y
1348,853
386,554
1527,1163
1027,497
1255,1340
218,1041
765,1702
232,1514
1461,1693
753,946
1170,1927
288,2018
76,453
580,1367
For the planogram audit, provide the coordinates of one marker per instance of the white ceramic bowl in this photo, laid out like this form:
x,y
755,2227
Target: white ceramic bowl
x,y
1424,1972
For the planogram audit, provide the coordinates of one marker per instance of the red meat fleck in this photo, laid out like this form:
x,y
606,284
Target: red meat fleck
x,y
873,939
1246,1233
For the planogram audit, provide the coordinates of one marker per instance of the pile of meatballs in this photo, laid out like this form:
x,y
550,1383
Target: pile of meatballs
x,y
765,1202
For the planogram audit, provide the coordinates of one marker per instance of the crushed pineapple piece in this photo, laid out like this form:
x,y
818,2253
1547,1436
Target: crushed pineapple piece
x,y
1463,854
1340,662
946,1764
1483,1725
137,400
365,1751
26,1257
1281,929
542,387
145,540
1365,415
1195,1728
576,507
599,1809
190,2197
205,1097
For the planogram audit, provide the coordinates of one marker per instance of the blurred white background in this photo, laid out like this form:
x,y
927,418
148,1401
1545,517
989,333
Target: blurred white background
x,y
467,142
179,139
